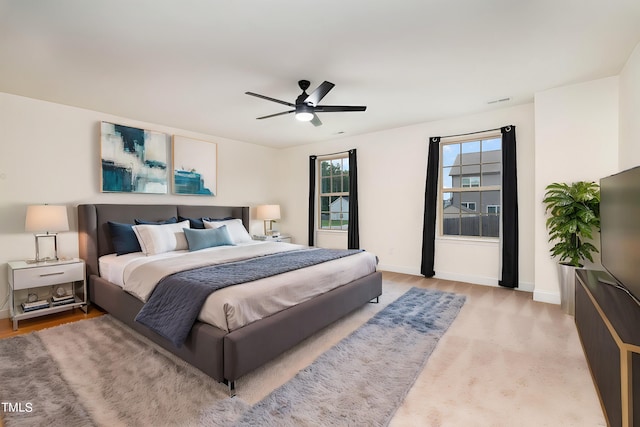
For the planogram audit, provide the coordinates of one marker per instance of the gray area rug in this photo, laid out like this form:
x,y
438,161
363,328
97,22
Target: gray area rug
x,y
99,372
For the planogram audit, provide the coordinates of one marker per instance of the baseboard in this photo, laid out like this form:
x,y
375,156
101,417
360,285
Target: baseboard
x,y
476,280
548,297
399,269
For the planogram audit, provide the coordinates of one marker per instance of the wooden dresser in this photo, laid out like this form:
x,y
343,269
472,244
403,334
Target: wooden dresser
x,y
608,322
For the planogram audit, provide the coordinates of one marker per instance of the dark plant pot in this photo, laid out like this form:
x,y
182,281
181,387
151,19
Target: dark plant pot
x,y
567,276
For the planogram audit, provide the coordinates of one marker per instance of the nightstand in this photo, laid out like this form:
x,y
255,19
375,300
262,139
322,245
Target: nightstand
x,y
281,238
55,286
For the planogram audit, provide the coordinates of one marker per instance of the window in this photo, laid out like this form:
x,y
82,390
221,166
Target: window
x,y
334,193
470,181
471,177
493,209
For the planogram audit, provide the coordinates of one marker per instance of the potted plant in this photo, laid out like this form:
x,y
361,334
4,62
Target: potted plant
x,y
574,214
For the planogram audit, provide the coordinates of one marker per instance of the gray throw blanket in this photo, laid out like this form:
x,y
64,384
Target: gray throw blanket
x,y
177,299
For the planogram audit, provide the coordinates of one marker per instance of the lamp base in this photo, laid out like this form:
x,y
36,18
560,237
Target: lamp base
x,y
268,228
41,261
54,258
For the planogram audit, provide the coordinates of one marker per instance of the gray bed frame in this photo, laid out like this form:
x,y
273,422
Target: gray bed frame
x,y
225,356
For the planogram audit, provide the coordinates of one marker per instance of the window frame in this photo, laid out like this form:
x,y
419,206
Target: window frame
x,y
344,157
468,189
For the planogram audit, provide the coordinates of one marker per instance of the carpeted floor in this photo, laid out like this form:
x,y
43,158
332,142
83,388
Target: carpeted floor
x,y
506,360
98,371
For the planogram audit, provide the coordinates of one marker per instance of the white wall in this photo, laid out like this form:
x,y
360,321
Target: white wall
x,y
50,153
630,112
391,177
576,140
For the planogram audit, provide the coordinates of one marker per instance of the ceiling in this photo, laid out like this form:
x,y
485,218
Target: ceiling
x,y
187,63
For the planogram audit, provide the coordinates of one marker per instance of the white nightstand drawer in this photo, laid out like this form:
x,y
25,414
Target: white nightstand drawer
x,y
47,275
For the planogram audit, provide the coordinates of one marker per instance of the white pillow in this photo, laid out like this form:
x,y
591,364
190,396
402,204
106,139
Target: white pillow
x,y
159,238
236,229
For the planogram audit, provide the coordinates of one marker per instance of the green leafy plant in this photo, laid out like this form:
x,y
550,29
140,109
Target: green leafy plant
x,y
575,213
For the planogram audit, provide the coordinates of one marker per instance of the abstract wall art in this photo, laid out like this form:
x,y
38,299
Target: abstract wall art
x,y
133,160
194,166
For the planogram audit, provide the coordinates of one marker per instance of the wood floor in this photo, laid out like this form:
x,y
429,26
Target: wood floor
x,y
48,321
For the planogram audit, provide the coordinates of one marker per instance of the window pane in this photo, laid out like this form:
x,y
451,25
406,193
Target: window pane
x,y
451,177
469,148
451,225
490,198
447,200
470,180
492,144
491,225
336,165
345,183
470,225
324,204
336,184
450,153
326,185
471,170
325,168
470,196
491,174
345,165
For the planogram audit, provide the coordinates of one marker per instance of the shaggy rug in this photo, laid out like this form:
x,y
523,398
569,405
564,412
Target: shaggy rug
x,y
99,372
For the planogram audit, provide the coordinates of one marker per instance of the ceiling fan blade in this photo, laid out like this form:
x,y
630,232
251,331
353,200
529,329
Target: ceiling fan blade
x,y
319,93
276,115
257,95
316,121
338,108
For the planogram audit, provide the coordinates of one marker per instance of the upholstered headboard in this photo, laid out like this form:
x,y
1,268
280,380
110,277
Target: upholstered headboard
x,y
93,230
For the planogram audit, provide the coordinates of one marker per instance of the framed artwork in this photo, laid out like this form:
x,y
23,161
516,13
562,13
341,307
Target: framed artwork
x,y
195,170
133,160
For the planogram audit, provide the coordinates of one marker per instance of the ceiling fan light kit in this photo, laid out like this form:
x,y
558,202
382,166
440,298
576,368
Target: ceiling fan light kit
x,y
306,106
304,113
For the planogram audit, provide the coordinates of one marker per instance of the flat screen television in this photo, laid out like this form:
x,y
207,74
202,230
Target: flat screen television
x,y
620,229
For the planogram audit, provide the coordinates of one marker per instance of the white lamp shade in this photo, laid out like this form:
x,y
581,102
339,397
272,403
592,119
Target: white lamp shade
x,y
44,218
268,212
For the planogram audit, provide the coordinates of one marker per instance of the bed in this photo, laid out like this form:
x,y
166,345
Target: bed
x,y
222,353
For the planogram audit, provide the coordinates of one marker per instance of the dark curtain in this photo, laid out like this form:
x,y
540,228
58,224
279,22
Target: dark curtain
x,y
509,209
353,233
430,205
312,198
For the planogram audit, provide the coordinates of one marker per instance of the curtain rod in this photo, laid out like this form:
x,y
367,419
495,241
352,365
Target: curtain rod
x,y
473,133
332,154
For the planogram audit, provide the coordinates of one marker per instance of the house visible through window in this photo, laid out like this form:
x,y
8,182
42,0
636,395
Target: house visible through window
x,y
334,193
471,178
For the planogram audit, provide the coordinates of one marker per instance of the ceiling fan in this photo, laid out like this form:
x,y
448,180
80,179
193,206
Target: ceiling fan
x,y
306,106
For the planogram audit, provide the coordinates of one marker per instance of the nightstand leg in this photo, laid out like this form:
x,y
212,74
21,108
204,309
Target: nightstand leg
x,y
15,324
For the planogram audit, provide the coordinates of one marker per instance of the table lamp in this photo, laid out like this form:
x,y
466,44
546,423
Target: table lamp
x,y
268,213
46,221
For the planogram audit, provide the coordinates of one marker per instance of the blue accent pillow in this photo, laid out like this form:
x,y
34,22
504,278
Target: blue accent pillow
x,y
123,238
172,220
207,238
197,223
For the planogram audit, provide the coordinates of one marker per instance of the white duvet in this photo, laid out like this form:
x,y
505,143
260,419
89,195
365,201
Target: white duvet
x,y
236,306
